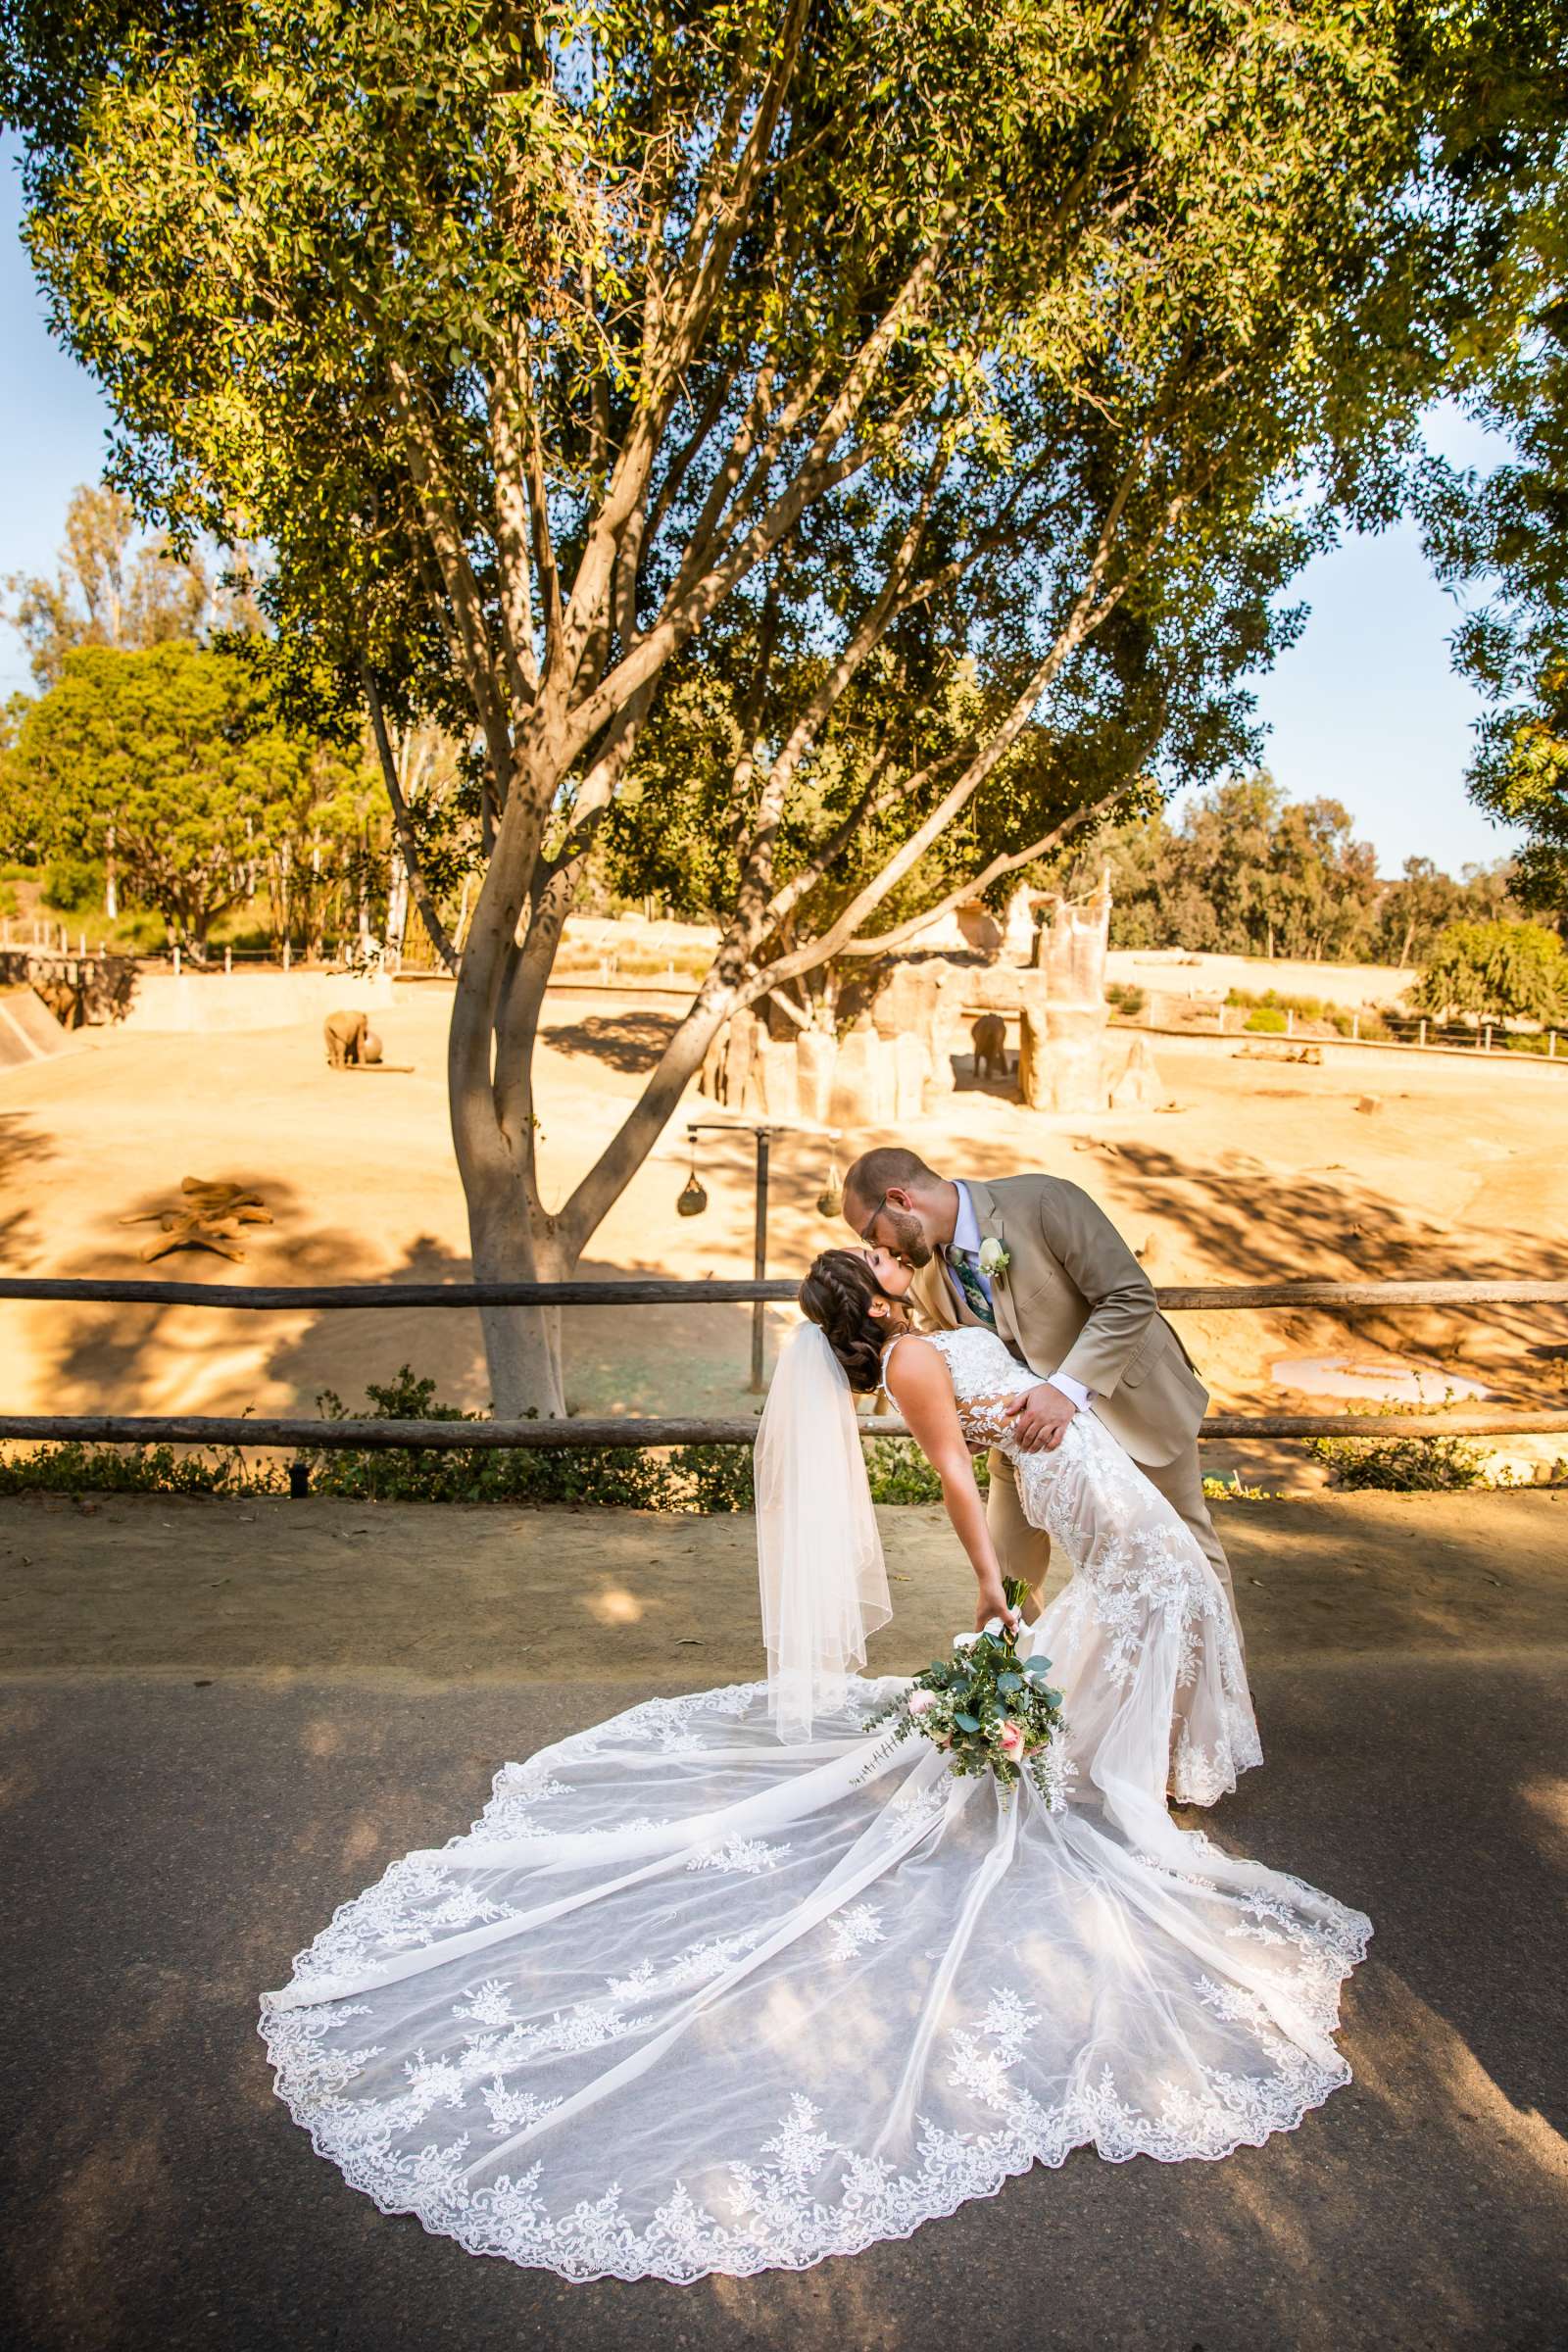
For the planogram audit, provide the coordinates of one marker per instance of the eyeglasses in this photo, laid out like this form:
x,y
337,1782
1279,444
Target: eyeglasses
x,y
870,1227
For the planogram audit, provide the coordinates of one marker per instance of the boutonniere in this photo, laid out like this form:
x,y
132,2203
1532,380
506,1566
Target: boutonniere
x,y
994,1259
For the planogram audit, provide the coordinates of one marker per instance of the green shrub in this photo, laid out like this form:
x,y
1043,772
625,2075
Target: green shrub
x,y
898,1472
618,1476
1266,1020
684,1478
1124,998
1402,1465
135,1470
1231,1489
712,1478
70,883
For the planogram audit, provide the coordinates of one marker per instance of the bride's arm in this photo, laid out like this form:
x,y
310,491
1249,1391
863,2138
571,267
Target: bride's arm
x,y
921,1387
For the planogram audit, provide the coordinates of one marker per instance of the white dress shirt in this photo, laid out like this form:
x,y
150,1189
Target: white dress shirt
x,y
966,1239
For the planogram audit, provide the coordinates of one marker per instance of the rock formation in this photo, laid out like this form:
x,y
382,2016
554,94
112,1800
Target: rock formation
x,y
895,1064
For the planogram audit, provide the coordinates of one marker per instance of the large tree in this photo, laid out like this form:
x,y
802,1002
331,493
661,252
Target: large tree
x,y
1500,136
811,360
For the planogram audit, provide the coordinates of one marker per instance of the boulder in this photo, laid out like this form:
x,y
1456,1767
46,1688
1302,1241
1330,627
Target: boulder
x,y
911,1072
926,1001
1138,1087
863,1079
741,1041
1062,1057
775,1079
815,1055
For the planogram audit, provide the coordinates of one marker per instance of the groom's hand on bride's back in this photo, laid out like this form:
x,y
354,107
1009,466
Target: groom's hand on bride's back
x,y
1039,1417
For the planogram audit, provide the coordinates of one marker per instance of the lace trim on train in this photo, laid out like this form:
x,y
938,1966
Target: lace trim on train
x,y
775,2212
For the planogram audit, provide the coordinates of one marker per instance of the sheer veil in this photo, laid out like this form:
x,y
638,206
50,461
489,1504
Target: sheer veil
x,y
819,1556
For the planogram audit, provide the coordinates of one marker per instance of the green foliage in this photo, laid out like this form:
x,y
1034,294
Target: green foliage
x,y
1124,998
1231,1489
134,1470
1268,1020
1246,872
614,1475
175,762
1403,1465
73,883
711,1478
1495,972
683,1478
898,1472
1505,534
989,1711
816,455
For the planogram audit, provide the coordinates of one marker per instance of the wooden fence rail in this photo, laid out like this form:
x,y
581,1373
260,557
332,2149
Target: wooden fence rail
x,y
1173,1298
122,1429
558,1437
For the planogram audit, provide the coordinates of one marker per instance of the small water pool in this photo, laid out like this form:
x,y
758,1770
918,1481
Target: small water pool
x,y
1384,1379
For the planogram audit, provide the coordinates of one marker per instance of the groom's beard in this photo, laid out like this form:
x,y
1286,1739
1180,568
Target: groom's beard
x,y
908,1237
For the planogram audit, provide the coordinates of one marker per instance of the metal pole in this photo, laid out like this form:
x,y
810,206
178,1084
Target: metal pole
x,y
760,1254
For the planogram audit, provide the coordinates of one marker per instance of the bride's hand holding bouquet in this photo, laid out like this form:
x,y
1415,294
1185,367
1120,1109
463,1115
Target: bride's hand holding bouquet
x,y
988,1710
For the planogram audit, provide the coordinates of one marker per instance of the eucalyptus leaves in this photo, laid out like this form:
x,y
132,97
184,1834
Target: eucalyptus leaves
x,y
989,1709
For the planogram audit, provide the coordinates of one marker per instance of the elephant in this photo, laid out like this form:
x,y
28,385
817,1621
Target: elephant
x,y
350,1041
990,1033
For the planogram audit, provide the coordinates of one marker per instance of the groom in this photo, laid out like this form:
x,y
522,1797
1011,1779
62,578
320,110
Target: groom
x,y
1034,1260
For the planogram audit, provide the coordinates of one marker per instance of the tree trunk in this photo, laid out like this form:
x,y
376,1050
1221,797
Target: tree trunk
x,y
521,1343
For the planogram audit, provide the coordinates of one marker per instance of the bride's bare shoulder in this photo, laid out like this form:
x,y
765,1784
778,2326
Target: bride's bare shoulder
x,y
914,1358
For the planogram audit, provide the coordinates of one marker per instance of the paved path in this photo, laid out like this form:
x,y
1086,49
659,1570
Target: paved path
x,y
169,1834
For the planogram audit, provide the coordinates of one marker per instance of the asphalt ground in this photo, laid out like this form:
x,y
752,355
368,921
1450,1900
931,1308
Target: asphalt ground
x,y
173,1824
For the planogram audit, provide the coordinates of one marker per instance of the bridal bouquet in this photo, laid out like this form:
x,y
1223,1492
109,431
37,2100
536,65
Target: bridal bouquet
x,y
989,1709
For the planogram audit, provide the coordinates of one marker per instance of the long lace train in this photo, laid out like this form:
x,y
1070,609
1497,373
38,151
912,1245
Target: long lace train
x,y
687,2000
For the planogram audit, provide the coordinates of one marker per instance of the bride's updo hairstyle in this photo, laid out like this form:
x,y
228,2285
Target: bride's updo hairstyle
x,y
836,1295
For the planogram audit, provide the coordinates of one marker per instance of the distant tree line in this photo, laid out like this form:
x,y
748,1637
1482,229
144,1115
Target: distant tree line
x,y
1245,871
166,777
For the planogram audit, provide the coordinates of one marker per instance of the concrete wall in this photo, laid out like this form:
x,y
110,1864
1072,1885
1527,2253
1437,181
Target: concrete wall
x,y
208,1004
29,1030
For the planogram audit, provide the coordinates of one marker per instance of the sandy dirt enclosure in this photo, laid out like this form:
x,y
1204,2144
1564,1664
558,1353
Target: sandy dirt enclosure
x,y
1259,1167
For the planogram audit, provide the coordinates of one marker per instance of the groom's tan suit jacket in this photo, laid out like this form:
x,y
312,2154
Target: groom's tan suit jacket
x,y
1073,1298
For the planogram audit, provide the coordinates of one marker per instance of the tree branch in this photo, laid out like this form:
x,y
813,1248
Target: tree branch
x,y
404,827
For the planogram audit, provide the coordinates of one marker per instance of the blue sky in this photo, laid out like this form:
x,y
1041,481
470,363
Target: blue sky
x,y
1366,706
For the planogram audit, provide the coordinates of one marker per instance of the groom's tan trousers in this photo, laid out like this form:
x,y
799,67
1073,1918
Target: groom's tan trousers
x,y
1026,1550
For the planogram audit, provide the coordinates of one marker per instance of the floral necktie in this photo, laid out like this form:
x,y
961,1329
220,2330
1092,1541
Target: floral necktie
x,y
965,1266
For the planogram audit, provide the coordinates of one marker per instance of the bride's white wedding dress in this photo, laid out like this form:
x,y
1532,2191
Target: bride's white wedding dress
x,y
689,1999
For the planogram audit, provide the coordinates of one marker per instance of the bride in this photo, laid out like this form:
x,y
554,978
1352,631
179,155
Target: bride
x,y
728,1983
